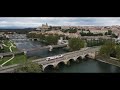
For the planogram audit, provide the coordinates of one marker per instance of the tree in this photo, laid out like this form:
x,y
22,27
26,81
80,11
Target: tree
x,y
76,44
106,33
72,30
29,67
114,36
109,32
52,39
108,49
118,51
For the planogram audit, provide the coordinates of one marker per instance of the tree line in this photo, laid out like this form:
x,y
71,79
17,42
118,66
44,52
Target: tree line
x,y
94,42
71,30
50,39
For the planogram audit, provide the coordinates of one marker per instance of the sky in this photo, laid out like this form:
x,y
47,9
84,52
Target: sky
x,y
28,22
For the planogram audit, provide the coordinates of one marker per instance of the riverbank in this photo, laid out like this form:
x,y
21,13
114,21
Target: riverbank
x,y
111,61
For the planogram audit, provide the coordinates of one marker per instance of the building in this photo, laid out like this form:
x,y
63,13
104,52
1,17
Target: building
x,y
43,28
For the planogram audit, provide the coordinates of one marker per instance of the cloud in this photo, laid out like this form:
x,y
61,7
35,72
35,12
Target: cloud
x,y
66,21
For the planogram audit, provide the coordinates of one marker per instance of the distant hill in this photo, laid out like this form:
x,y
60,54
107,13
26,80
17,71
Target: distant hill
x,y
24,30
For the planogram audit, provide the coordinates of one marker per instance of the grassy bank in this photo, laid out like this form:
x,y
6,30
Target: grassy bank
x,y
4,59
17,60
108,60
8,44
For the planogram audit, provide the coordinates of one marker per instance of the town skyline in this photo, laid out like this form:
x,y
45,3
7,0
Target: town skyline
x,y
33,22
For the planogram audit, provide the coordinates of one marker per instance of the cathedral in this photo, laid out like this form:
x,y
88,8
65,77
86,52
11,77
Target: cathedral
x,y
43,28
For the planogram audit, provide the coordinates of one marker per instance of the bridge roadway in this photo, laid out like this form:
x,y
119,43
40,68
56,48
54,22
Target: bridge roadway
x,y
33,49
44,63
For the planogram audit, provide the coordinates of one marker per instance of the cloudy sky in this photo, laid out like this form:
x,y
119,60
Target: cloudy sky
x,y
26,22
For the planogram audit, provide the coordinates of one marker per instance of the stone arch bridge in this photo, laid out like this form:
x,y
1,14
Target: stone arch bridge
x,y
76,55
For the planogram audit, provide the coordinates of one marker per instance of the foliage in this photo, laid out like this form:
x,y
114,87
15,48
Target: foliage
x,y
108,49
90,34
114,36
16,60
76,44
118,51
109,32
29,67
51,39
71,30
99,42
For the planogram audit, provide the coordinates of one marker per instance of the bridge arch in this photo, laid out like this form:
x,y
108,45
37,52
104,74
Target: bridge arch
x,y
79,59
86,56
71,60
48,68
60,64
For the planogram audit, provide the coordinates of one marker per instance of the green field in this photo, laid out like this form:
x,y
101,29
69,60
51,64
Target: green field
x,y
4,59
14,49
7,43
17,60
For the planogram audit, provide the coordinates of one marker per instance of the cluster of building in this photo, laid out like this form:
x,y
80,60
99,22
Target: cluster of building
x,y
93,29
45,28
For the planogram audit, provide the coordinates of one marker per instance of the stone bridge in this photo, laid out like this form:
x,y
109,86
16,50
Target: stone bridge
x,y
75,56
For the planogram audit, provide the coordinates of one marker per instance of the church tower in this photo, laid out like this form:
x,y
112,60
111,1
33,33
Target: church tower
x,y
46,24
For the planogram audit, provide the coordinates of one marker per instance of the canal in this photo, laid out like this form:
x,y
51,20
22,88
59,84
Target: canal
x,y
87,66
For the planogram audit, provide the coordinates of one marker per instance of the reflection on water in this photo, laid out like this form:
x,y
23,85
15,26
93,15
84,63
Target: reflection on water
x,y
89,66
92,66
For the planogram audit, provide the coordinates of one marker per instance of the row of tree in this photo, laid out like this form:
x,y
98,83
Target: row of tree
x,y
71,30
51,39
90,34
76,44
99,42
111,34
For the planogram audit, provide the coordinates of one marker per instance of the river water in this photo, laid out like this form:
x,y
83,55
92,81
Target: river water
x,y
88,66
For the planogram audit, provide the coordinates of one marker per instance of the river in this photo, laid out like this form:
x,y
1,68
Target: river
x,y
88,66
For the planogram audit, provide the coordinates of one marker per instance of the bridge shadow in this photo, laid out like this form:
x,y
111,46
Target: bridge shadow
x,y
71,61
79,59
86,57
49,69
60,65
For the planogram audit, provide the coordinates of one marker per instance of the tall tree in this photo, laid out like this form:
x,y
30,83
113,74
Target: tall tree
x,y
108,48
76,44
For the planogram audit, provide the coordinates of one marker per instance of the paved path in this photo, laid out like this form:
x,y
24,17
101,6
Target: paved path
x,y
10,48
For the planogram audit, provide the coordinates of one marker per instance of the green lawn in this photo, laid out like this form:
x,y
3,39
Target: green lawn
x,y
14,49
6,49
17,60
4,59
6,42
